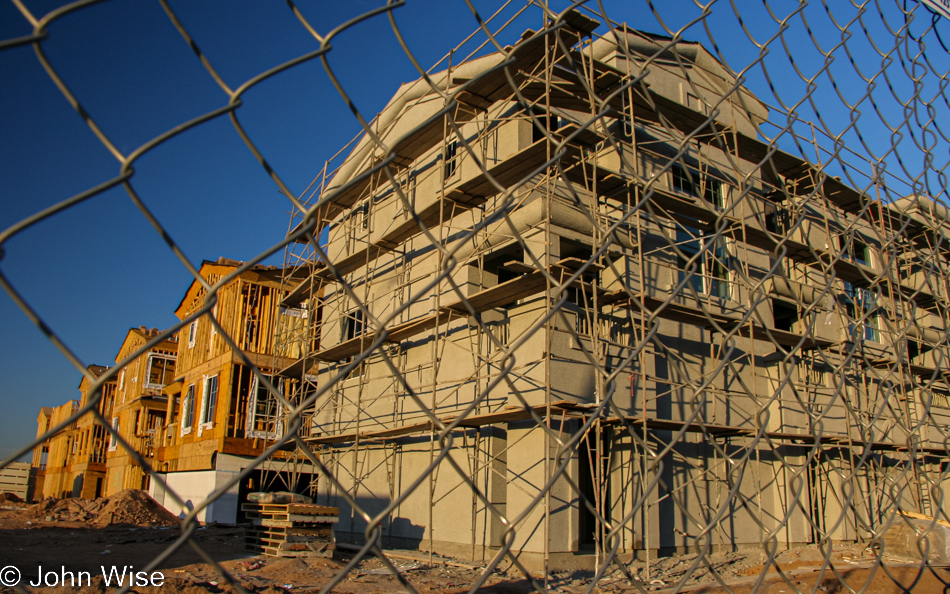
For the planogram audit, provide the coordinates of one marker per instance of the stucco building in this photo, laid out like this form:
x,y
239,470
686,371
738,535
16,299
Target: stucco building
x,y
599,309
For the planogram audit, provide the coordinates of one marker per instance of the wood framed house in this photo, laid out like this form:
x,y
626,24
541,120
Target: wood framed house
x,y
139,407
219,414
88,461
40,455
214,410
58,478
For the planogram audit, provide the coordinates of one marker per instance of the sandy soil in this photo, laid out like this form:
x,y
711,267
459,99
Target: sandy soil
x,y
30,542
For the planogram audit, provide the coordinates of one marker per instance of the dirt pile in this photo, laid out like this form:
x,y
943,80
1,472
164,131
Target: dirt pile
x,y
130,506
133,506
11,499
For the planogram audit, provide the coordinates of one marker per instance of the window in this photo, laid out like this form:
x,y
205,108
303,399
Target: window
x,y
407,187
451,158
777,220
364,213
113,440
263,411
855,250
784,315
192,334
161,371
689,241
710,271
549,120
861,308
209,401
353,324
692,183
719,283
188,410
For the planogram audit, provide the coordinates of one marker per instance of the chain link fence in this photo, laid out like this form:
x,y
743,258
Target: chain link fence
x,y
643,297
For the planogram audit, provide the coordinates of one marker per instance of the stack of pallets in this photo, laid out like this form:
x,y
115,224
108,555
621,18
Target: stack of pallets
x,y
291,529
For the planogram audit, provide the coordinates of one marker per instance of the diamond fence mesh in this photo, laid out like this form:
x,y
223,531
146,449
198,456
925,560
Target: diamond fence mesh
x,y
622,294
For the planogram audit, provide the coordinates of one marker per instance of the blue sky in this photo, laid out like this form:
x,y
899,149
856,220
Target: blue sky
x,y
99,268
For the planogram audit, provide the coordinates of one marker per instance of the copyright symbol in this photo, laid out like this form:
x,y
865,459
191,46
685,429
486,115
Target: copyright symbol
x,y
9,576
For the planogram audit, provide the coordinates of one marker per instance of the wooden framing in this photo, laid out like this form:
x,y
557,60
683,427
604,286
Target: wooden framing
x,y
213,380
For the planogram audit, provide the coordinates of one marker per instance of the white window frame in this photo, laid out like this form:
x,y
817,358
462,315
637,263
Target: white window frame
x,y
148,369
192,333
204,422
189,400
249,430
113,440
121,379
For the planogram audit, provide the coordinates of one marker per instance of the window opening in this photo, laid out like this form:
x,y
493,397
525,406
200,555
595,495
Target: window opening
x,y
451,158
188,410
861,307
192,333
161,371
784,315
264,414
209,401
701,186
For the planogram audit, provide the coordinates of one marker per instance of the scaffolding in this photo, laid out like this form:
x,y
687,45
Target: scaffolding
x,y
578,277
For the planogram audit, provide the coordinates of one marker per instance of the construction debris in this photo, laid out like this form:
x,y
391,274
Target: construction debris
x,y
130,506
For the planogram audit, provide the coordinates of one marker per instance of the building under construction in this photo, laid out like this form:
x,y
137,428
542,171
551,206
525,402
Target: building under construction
x,y
570,301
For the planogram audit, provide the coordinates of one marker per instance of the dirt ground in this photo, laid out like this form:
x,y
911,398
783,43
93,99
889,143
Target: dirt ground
x,y
40,540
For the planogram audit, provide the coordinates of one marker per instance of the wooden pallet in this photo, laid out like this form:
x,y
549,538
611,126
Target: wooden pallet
x,y
278,553
308,509
292,513
291,529
268,523
291,534
305,530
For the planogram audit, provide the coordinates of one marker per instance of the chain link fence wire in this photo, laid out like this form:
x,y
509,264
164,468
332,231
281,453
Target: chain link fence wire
x,y
642,283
